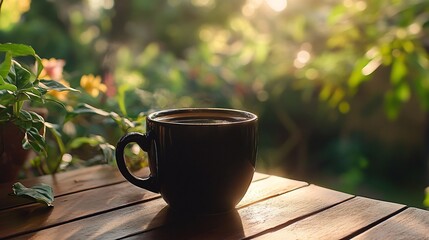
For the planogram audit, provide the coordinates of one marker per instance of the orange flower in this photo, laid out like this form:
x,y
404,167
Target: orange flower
x,y
92,85
61,96
52,69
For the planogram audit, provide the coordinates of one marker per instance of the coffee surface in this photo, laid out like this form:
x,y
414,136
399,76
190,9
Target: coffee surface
x,y
200,120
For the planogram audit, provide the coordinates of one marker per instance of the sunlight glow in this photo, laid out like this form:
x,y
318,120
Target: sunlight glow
x,y
135,149
415,28
358,5
371,66
95,5
302,58
65,160
203,3
250,7
277,5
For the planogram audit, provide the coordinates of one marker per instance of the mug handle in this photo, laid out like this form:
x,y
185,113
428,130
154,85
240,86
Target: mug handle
x,y
143,140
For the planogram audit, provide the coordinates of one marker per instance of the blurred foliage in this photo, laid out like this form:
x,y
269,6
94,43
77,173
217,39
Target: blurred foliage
x,y
341,87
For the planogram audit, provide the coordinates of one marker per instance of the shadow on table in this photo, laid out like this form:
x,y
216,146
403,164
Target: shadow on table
x,y
13,222
182,226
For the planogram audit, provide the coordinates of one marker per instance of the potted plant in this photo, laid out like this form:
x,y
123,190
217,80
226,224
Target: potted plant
x,y
22,128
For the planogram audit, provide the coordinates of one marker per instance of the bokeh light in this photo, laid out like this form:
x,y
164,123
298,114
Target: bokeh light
x,y
277,5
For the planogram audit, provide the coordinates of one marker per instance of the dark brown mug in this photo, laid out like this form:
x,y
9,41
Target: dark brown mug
x,y
201,160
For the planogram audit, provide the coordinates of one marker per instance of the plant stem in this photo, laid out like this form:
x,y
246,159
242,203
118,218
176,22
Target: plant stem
x,y
61,147
16,109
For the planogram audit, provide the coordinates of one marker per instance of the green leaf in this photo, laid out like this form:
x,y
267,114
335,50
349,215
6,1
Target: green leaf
x,y
42,193
392,105
121,98
78,142
35,95
25,116
41,90
357,77
86,108
33,139
124,123
7,86
5,114
17,49
20,50
55,101
399,70
22,97
36,117
28,95
426,200
336,14
54,85
6,97
30,120
403,92
422,89
19,76
57,135
5,65
108,152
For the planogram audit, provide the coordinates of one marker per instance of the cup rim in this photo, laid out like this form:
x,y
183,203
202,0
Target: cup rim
x,y
247,116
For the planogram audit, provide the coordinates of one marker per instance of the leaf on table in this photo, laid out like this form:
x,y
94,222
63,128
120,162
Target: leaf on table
x,y
42,193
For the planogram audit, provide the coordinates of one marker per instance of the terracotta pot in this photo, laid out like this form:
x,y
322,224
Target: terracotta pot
x,y
12,155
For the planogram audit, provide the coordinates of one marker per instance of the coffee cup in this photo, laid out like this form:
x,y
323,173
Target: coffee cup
x,y
201,160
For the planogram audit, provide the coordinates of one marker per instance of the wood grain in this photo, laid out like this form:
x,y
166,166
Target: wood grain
x,y
97,203
79,205
69,207
251,219
337,222
75,181
412,223
64,183
269,187
109,225
259,176
33,217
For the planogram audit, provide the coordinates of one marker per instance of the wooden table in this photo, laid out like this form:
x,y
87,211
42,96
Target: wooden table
x,y
97,203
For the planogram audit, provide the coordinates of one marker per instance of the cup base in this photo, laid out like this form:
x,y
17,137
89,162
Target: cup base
x,y
199,212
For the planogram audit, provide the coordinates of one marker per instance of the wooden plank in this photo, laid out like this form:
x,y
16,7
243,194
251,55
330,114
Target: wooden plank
x,y
141,217
109,225
75,181
69,207
412,223
249,220
337,222
64,183
268,188
33,217
259,176
178,226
